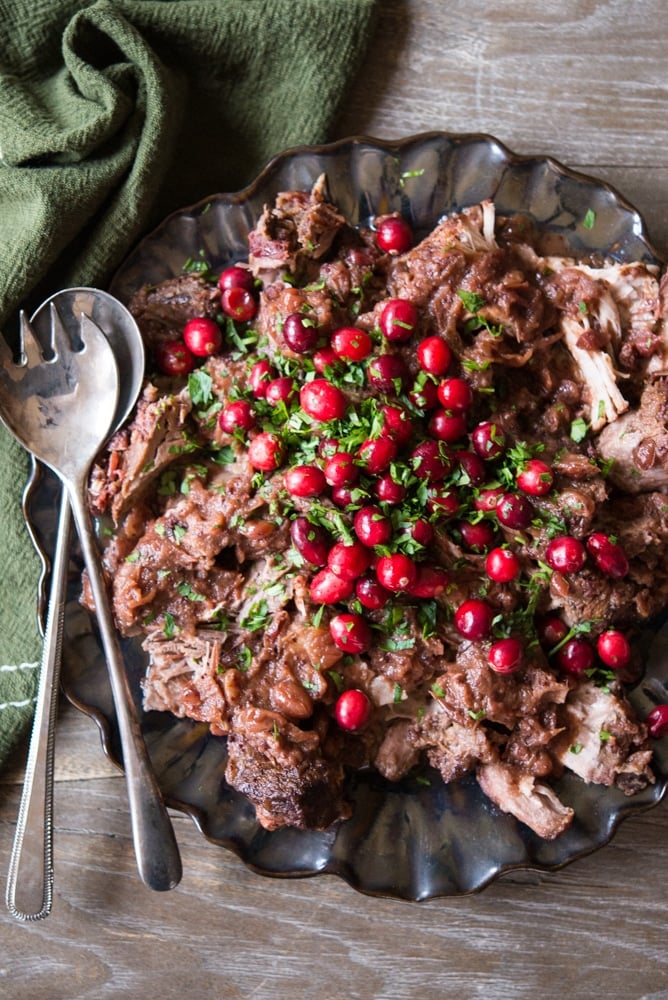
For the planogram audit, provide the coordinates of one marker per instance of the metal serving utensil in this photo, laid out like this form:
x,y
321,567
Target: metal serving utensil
x,y
61,410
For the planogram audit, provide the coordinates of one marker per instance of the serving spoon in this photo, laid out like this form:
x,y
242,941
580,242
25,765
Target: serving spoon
x,y
30,880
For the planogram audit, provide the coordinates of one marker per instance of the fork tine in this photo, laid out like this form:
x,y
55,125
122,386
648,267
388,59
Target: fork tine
x,y
31,349
60,341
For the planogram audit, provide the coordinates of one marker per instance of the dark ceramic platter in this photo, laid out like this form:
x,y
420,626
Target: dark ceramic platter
x,y
408,841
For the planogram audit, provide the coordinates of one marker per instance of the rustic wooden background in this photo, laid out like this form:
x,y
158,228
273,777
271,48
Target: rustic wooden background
x,y
586,82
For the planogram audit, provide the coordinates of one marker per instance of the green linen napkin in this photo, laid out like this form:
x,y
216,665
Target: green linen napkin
x,y
112,114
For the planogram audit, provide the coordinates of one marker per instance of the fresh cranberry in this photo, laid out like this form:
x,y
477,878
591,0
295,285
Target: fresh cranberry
x,y
237,415
447,426
443,502
328,588
396,423
489,440
281,390
473,466
393,234
348,559
434,356
614,649
305,481
657,721
376,454
239,303
502,565
506,655
551,631
476,536
396,572
575,656
370,593
398,320
235,277
455,394
341,469
325,358
322,400
202,336
342,496
388,490
266,452
431,461
352,710
300,333
608,555
473,619
565,554
260,376
487,500
536,478
514,510
311,541
422,532
372,527
350,632
174,358
429,582
424,395
387,374
351,344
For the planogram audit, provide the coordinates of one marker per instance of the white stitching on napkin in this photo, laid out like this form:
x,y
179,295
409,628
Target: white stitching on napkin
x,y
19,666
17,704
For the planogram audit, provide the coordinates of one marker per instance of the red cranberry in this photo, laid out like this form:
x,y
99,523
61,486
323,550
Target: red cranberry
x,y
657,721
202,336
443,502
322,400
328,588
394,235
174,358
396,572
342,496
350,632
551,631
424,395
608,555
300,333
473,619
431,461
430,582
371,594
239,303
311,541
372,527
515,511
455,394
388,490
237,415
473,466
351,344
266,452
565,554
502,565
348,559
536,478
447,426
387,373
506,655
352,710
476,536
305,481
376,454
488,499
489,440
235,277
422,532
434,355
396,423
280,390
341,469
398,319
575,656
614,649
325,358
260,376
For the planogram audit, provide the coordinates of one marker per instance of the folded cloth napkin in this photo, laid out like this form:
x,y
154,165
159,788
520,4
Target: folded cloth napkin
x,y
112,114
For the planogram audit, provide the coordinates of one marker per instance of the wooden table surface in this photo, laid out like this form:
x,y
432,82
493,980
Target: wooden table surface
x,y
585,81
